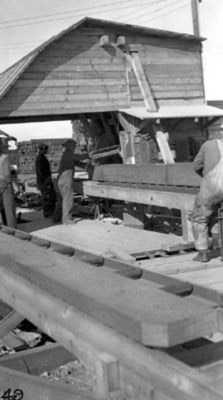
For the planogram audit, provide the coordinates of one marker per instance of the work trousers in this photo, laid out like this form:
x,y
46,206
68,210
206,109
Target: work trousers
x,y
8,201
65,186
203,221
48,197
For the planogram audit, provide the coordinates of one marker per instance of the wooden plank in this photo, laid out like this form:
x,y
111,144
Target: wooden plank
x,y
58,111
69,83
64,107
9,322
139,195
143,372
24,386
179,174
36,361
156,67
169,95
164,147
183,60
199,354
127,147
166,85
182,174
14,341
188,94
149,173
66,73
170,80
147,319
64,98
5,309
64,90
97,58
100,65
142,80
106,240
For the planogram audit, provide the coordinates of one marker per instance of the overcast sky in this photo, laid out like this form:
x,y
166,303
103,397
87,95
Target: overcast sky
x,y
24,24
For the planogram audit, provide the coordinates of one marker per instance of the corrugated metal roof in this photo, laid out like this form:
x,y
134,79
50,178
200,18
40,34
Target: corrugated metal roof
x,y
12,74
9,77
184,111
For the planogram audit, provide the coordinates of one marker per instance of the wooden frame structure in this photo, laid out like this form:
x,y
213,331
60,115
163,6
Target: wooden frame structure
x,y
124,367
170,186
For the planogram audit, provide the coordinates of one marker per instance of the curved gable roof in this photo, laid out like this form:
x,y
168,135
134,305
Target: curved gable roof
x,y
12,74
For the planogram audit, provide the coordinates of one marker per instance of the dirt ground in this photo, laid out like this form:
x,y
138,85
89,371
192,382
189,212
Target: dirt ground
x,y
73,373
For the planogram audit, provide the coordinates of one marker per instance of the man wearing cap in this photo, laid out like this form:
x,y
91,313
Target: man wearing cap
x,y
208,163
65,177
6,190
44,181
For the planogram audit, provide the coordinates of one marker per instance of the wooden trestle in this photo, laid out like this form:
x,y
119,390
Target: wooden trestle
x,y
122,328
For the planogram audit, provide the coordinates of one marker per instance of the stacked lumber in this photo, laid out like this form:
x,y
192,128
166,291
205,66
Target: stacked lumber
x,y
108,321
179,174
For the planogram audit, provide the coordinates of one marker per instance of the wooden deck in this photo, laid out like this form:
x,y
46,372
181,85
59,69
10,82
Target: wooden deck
x,y
183,267
106,238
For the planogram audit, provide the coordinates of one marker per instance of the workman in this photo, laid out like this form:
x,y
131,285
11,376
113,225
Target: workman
x,y
208,163
44,181
6,189
65,177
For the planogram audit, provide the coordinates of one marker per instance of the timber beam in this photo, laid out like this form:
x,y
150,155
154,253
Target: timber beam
x,y
36,361
144,373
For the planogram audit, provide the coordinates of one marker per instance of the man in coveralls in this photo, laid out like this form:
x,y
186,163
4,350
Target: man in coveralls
x,y
207,164
65,177
6,189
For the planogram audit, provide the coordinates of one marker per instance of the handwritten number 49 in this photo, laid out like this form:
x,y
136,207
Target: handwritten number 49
x,y
10,394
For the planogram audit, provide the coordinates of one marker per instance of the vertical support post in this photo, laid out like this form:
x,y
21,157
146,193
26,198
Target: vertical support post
x,y
108,378
195,17
128,137
164,147
186,226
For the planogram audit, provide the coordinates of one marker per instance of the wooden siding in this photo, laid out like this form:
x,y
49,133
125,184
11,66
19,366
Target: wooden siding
x,y
173,74
75,75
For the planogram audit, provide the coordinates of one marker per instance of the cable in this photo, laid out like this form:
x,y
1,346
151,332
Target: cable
x,y
166,13
141,9
63,12
112,8
79,14
76,10
17,48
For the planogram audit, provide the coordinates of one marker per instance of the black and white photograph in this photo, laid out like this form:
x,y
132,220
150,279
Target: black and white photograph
x,y
111,200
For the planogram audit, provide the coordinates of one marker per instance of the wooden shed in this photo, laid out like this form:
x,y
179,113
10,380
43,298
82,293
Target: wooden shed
x,y
116,78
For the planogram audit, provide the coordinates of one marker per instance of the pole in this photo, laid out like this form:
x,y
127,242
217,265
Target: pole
x,y
195,17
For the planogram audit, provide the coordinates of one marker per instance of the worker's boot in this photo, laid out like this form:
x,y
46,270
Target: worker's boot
x,y
202,256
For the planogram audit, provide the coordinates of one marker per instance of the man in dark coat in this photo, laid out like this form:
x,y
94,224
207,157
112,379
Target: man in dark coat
x,y
44,181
